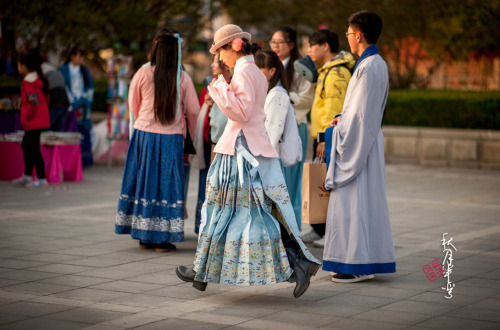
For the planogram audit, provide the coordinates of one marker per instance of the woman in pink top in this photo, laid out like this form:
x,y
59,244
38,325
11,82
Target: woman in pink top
x,y
162,97
242,240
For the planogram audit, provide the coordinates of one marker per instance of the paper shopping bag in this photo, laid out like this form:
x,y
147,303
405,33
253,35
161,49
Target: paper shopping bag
x,y
314,197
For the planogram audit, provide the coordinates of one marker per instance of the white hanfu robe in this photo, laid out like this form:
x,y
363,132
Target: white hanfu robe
x,y
358,231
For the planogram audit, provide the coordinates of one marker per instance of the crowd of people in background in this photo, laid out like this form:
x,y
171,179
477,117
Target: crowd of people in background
x,y
58,100
248,134
53,99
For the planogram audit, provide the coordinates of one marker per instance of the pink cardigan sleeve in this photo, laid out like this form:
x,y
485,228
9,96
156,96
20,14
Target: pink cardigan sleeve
x,y
192,106
234,100
134,95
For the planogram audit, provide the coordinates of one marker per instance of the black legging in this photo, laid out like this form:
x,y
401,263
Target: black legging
x,y
32,154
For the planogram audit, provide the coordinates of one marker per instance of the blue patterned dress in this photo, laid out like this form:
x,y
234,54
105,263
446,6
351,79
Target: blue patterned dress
x,y
240,241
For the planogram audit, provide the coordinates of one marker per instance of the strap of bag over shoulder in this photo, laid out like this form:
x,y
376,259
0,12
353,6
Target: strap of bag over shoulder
x,y
327,72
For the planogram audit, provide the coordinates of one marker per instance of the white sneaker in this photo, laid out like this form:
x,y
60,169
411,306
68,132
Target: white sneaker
x,y
22,181
320,242
310,237
37,184
345,278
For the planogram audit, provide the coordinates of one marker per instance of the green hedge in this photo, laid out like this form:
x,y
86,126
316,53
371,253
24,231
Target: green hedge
x,y
100,96
10,86
452,109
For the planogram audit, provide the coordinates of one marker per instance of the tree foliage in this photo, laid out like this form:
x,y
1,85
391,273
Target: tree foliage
x,y
415,33
126,26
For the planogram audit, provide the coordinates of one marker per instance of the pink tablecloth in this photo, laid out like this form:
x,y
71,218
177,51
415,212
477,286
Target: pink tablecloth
x,y
60,161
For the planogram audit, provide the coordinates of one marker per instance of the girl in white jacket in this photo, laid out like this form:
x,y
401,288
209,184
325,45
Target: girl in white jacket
x,y
277,100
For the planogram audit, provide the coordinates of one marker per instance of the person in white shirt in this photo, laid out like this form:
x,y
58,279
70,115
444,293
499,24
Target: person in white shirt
x,y
301,92
277,100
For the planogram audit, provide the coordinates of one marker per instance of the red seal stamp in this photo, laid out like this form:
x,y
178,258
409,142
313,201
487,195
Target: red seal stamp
x,y
434,270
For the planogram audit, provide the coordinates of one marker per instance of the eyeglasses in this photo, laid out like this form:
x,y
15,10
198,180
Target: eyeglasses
x,y
348,33
277,42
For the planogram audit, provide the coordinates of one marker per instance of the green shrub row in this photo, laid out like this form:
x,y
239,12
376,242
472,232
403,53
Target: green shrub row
x,y
452,109
100,103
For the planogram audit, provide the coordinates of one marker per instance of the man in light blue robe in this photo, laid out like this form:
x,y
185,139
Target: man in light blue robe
x,y
358,241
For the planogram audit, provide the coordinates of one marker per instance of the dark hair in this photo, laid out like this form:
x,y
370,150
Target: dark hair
x,y
247,48
368,23
290,36
164,58
74,51
32,63
77,51
268,60
226,72
325,36
222,66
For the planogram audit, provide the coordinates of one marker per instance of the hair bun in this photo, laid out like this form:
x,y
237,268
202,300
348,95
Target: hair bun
x,y
249,48
255,47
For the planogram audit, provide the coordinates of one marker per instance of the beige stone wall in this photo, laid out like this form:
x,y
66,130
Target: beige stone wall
x,y
442,147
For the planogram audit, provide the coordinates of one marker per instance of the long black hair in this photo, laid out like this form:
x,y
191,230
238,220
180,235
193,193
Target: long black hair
x,y
268,60
290,36
74,51
32,62
164,57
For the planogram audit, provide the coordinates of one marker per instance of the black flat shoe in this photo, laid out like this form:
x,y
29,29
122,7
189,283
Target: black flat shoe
x,y
187,275
165,247
143,245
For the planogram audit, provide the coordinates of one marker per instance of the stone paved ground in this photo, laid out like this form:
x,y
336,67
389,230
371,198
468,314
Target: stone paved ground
x,y
62,267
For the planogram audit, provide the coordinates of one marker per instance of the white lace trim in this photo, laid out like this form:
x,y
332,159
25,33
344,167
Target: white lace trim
x,y
144,202
150,224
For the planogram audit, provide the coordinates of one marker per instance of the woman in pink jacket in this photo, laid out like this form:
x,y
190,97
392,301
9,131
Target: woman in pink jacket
x,y
162,97
242,240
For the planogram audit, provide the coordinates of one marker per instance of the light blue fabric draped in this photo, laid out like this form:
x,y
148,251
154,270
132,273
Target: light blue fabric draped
x,y
293,178
239,242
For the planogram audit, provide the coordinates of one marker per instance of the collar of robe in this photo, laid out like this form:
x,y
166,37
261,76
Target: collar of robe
x,y
372,50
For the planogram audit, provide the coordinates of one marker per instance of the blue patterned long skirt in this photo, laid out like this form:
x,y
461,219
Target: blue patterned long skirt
x,y
151,203
240,242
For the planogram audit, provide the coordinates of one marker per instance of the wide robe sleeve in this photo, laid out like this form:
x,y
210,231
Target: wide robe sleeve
x,y
276,110
192,106
358,128
88,94
134,95
234,100
301,92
